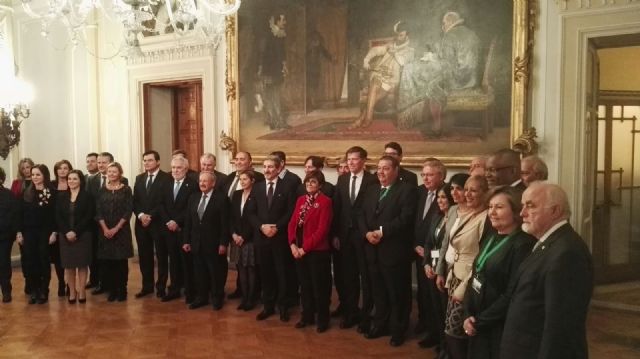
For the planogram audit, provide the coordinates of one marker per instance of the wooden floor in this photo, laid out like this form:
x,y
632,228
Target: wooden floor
x,y
147,328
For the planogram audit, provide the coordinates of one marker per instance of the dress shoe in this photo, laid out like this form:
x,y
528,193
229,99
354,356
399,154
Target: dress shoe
x,y
6,298
420,328
249,306
188,299
375,332
235,295
264,314
322,328
98,290
43,299
161,293
112,297
197,304
364,327
337,313
347,323
396,340
121,297
33,299
170,296
303,323
143,293
428,342
217,304
284,315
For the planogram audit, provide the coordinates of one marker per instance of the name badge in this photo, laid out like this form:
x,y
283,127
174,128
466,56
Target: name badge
x,y
435,254
476,285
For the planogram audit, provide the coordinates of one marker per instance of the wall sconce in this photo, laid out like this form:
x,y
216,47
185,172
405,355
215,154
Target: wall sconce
x,y
14,95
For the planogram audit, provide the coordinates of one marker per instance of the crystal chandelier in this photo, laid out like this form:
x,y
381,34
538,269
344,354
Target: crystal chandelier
x,y
203,18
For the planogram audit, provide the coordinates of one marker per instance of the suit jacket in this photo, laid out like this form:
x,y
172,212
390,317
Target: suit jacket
x,y
292,181
394,213
229,179
176,209
83,213
549,300
279,213
240,223
316,227
422,225
206,235
150,203
404,175
10,214
345,214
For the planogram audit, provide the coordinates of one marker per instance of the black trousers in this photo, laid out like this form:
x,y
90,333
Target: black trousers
x,y
338,280
210,275
94,267
355,276
6,242
188,270
437,311
423,298
274,259
392,295
54,256
35,256
173,244
116,275
146,238
314,271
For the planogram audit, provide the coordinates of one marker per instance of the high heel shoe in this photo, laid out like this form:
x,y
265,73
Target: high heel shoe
x,y
82,300
72,301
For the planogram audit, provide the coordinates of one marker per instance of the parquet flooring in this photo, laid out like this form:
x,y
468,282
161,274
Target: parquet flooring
x,y
147,328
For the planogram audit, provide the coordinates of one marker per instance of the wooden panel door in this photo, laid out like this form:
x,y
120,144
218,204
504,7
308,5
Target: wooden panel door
x,y
188,121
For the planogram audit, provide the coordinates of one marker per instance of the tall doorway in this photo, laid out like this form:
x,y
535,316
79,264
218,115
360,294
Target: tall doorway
x,y
173,119
616,201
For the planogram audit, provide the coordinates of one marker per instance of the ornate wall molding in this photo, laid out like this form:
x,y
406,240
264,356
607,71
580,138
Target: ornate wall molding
x,y
172,54
577,5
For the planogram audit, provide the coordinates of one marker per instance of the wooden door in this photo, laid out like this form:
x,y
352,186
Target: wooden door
x,y
188,121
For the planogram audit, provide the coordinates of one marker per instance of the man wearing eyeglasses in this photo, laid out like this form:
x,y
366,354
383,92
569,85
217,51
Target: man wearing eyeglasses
x,y
503,169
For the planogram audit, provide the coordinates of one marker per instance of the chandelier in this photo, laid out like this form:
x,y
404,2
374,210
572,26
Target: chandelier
x,y
202,18
14,96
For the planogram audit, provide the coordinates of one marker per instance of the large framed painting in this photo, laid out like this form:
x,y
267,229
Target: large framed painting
x,y
444,78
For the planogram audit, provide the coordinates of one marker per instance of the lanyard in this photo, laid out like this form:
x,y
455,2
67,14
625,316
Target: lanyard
x,y
487,251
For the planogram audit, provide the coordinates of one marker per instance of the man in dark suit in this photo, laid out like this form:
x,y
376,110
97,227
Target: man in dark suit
x,y
173,216
503,169
388,214
208,164
293,180
349,239
148,191
433,175
94,184
552,289
273,209
394,149
92,165
206,237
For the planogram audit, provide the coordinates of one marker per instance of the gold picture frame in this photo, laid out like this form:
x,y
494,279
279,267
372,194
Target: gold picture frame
x,y
455,153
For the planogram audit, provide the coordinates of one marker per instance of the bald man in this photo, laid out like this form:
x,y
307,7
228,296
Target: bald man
x,y
552,289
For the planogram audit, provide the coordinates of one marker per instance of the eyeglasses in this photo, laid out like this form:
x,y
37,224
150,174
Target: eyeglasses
x,y
494,170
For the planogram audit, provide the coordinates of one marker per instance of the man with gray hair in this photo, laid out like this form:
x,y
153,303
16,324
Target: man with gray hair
x,y
533,168
550,295
208,164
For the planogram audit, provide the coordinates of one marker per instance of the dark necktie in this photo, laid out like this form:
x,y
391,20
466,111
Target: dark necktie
x,y
352,194
104,181
149,182
270,194
427,204
234,184
383,193
201,206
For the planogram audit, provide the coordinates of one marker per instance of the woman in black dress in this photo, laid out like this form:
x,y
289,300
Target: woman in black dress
x,y
242,235
9,212
74,214
61,171
37,232
113,213
485,302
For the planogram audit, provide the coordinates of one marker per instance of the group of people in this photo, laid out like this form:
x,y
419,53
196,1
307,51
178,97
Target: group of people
x,y
499,271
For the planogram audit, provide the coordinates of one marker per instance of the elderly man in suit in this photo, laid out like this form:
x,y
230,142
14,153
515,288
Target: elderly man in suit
x,y
349,239
208,163
552,289
173,216
148,193
388,214
533,168
274,204
433,175
206,237
503,169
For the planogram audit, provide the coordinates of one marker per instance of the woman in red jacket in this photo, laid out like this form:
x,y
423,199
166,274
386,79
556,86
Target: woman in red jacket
x,y
310,246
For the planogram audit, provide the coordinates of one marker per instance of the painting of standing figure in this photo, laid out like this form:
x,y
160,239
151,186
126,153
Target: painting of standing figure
x,y
436,75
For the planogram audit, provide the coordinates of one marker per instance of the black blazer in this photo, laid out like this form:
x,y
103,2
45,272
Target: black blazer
x,y
345,214
9,214
279,213
549,299
422,225
176,210
404,175
433,241
150,203
394,213
240,223
83,214
206,235
292,181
